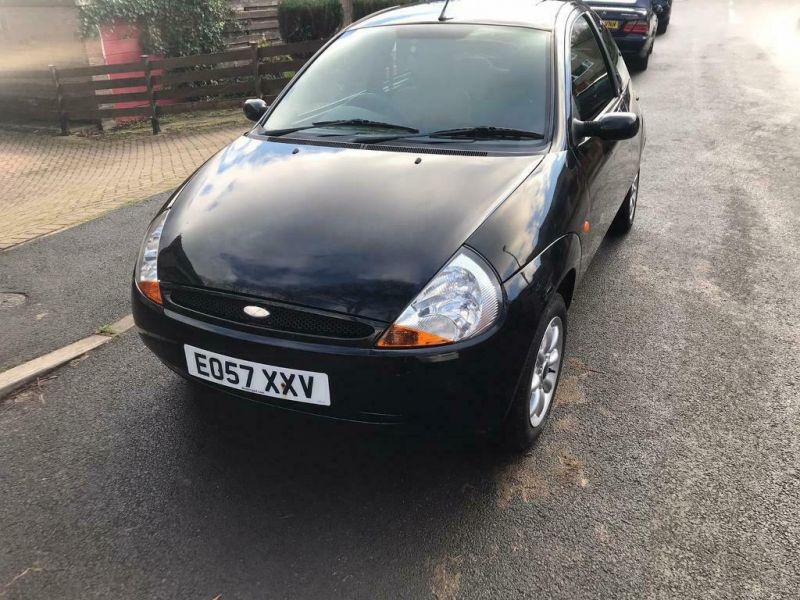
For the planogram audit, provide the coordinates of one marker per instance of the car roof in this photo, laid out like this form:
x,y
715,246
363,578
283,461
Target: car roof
x,y
538,14
619,3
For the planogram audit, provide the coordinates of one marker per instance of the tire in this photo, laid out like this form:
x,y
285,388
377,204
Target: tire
x,y
522,426
640,63
623,221
662,25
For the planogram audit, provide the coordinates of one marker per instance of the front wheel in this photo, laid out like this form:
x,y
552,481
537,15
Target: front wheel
x,y
536,389
626,214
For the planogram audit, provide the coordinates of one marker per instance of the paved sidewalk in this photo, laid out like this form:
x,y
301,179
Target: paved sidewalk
x,y
48,183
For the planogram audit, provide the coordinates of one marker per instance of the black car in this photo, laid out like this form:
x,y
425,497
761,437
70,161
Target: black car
x,y
663,10
398,239
634,24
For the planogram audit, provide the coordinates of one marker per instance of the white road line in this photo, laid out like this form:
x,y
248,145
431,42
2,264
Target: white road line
x,y
18,376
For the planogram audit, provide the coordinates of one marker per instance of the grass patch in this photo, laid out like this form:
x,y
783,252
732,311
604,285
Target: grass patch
x,y
106,330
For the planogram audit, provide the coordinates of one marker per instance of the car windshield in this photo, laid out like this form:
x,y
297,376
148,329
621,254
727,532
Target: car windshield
x,y
414,80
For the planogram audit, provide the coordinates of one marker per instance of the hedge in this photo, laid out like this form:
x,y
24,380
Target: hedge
x,y
362,8
169,27
301,20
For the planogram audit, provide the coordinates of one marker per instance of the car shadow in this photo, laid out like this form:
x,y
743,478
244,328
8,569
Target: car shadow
x,y
295,488
296,442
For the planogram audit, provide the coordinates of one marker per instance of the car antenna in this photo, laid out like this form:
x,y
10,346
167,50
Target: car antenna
x,y
442,18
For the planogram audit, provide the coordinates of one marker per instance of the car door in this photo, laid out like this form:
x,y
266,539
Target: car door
x,y
628,151
595,90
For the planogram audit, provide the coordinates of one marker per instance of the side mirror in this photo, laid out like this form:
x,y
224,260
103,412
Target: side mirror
x,y
611,126
254,109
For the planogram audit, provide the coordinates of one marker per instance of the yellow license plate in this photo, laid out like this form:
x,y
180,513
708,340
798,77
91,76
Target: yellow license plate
x,y
611,25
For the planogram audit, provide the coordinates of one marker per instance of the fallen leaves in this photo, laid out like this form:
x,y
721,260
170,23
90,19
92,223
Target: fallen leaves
x,y
447,578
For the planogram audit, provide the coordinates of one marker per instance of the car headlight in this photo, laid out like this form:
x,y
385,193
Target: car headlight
x,y
146,274
463,300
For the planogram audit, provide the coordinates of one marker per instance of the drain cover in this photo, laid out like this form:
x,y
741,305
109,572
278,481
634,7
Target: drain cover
x,y
10,300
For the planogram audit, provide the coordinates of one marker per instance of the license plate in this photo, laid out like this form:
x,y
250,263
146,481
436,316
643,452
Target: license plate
x,y
257,378
611,25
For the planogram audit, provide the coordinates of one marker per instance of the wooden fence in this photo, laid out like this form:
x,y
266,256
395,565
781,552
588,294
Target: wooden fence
x,y
28,95
256,21
151,87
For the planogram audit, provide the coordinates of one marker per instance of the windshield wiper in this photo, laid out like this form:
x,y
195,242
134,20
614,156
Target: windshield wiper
x,y
485,132
280,132
341,123
364,123
482,132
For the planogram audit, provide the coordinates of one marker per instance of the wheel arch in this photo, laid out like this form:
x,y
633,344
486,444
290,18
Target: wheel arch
x,y
567,286
555,270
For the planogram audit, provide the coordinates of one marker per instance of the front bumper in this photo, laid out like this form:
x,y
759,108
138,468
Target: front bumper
x,y
466,386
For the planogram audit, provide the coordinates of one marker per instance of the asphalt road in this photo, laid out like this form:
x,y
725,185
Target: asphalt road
x,y
671,468
73,282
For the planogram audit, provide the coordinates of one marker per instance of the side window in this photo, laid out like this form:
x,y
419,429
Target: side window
x,y
617,61
592,86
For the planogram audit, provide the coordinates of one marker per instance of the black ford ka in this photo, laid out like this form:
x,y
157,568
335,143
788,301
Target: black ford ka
x,y
399,237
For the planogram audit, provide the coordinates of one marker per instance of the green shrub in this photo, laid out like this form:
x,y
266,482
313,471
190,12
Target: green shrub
x,y
170,28
362,8
301,20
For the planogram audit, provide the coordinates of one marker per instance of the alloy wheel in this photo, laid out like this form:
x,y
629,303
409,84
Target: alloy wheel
x,y
546,370
632,198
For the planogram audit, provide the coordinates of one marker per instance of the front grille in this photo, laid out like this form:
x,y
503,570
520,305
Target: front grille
x,y
288,320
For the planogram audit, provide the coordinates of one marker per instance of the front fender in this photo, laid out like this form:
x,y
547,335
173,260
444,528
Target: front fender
x,y
533,286
547,205
530,290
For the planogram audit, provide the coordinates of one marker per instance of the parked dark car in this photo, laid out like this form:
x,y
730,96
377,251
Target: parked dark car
x,y
398,239
663,10
634,25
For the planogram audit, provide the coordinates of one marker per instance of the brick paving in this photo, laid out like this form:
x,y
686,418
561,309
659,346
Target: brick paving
x,y
49,183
